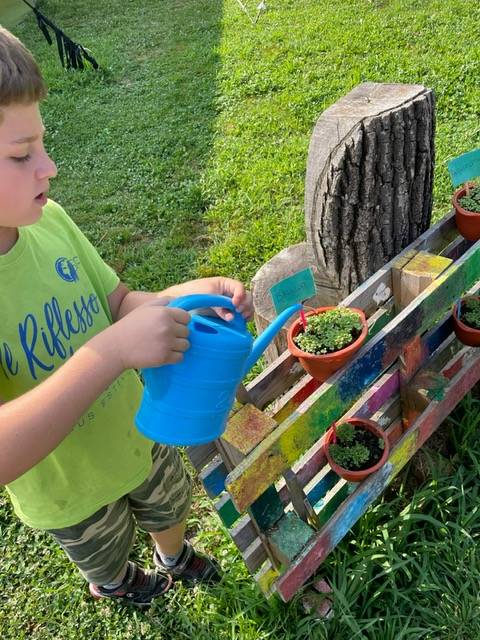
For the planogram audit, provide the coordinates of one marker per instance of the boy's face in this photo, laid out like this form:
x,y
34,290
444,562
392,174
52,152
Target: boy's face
x,y
25,168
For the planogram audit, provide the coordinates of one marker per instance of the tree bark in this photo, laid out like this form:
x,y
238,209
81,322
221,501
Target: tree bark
x,y
369,179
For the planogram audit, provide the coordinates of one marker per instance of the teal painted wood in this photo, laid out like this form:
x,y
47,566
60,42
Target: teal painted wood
x,y
227,512
289,536
267,509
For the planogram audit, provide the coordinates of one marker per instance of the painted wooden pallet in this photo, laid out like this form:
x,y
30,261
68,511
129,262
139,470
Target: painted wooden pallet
x,y
283,506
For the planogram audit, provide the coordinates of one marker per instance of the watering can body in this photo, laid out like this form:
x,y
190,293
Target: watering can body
x,y
188,403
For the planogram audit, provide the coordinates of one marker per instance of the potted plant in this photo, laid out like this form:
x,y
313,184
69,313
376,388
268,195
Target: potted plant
x,y
466,202
466,320
356,448
325,338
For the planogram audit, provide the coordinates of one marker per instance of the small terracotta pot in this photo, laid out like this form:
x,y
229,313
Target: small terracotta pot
x,y
357,476
467,335
468,222
323,366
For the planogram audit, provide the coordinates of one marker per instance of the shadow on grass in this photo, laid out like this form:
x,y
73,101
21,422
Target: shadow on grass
x,y
132,141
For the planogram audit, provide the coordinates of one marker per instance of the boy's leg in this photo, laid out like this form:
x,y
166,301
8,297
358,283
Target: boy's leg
x,y
161,505
100,546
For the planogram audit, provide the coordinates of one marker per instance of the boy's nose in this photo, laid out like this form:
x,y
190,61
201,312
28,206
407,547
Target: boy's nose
x,y
47,169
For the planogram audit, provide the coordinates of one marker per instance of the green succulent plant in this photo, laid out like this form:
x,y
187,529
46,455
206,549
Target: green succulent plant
x,y
471,312
346,452
472,201
329,331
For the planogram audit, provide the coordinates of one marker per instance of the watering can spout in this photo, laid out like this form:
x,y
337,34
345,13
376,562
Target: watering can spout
x,y
264,339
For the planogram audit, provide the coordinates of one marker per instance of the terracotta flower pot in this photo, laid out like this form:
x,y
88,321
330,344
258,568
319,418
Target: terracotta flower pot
x,y
323,366
468,222
357,476
467,335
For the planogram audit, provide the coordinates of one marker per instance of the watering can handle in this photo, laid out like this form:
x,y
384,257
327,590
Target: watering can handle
x,y
202,300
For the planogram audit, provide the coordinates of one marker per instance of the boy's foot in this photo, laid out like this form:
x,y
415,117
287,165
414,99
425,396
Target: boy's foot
x,y
192,567
139,588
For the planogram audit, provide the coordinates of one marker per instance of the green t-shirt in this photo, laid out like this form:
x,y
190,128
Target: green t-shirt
x,y
54,289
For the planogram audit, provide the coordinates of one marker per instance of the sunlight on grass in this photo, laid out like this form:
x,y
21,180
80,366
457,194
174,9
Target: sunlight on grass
x,y
186,154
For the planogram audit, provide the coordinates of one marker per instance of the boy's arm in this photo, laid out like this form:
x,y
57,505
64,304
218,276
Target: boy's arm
x,y
32,425
122,301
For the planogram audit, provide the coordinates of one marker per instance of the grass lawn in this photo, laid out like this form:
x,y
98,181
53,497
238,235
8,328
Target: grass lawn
x,y
186,155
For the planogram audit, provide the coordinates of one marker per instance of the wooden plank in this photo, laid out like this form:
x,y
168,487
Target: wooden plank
x,y
456,248
396,273
225,509
288,537
243,533
327,480
274,380
299,499
326,507
254,555
266,577
417,275
245,429
213,477
395,431
201,455
267,508
306,425
356,504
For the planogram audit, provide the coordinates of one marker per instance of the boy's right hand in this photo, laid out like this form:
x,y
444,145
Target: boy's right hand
x,y
149,336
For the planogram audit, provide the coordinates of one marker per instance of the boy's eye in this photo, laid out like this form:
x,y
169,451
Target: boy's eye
x,y
21,158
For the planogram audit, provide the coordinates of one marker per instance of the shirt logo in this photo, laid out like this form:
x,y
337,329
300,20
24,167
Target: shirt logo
x,y
66,268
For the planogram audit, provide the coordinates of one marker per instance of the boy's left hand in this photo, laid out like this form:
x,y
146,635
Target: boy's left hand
x,y
234,289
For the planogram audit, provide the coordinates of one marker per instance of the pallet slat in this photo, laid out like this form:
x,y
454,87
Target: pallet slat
x,y
354,507
280,450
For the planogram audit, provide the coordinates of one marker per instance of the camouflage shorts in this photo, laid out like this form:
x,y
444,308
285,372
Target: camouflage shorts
x,y
100,545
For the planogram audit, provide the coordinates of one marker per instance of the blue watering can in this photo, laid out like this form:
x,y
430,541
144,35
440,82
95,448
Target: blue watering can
x,y
188,403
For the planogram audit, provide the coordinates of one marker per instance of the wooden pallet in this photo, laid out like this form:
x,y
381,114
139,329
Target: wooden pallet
x,y
284,507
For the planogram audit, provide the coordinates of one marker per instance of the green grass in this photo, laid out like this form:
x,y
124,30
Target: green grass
x,y
186,155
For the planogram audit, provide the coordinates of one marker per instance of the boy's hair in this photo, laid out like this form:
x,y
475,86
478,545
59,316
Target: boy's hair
x,y
21,81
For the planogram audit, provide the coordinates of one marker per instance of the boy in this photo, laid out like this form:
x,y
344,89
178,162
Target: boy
x,y
70,336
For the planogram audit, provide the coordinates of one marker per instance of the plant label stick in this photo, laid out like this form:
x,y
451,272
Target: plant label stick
x,y
464,167
295,288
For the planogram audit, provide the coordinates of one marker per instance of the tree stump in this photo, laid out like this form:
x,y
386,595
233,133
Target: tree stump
x,y
369,179
368,194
